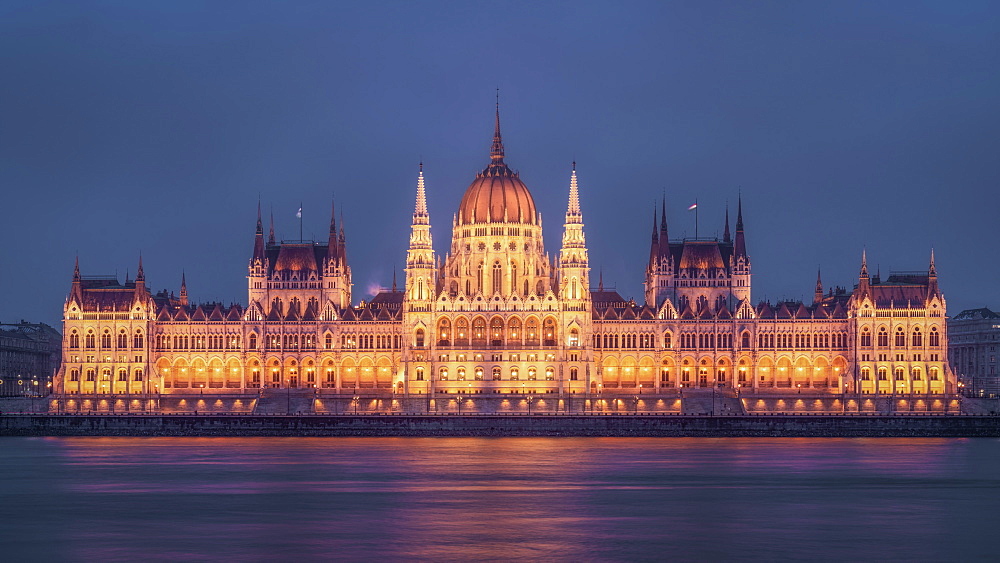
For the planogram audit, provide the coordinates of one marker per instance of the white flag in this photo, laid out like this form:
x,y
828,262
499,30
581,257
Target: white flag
x,y
299,213
693,206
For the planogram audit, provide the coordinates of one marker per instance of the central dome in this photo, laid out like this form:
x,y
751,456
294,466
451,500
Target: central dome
x,y
497,195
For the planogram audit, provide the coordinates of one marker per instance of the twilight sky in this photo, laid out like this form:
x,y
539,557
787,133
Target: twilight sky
x,y
130,127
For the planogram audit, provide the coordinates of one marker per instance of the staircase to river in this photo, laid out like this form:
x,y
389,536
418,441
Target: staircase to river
x,y
285,401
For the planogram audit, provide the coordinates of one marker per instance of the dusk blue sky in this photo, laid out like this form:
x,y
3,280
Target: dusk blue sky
x,y
130,127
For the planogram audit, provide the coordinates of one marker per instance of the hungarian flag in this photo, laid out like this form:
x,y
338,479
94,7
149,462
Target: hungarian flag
x,y
299,213
693,206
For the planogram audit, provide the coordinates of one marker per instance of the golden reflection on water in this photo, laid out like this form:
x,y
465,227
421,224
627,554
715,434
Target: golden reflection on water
x,y
459,499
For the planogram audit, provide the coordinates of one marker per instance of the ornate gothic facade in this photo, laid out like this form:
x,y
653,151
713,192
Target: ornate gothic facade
x,y
498,315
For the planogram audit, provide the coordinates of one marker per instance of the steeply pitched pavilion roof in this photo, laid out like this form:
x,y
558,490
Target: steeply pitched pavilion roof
x,y
976,314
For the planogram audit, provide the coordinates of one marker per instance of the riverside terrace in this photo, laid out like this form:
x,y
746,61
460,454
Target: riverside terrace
x,y
691,402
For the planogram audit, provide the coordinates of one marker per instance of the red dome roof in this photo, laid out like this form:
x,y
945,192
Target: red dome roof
x,y
498,196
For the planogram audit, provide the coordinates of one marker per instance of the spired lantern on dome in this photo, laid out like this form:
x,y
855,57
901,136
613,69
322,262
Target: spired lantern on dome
x,y
497,195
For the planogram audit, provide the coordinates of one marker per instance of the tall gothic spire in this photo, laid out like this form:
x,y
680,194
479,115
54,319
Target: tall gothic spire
x,y
573,213
76,269
420,209
496,152
140,276
932,270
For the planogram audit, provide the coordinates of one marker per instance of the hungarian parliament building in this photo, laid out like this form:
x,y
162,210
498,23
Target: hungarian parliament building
x,y
497,315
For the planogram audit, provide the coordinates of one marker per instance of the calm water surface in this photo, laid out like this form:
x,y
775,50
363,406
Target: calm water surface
x,y
458,499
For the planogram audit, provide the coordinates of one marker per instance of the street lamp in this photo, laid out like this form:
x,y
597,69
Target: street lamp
x,y
529,404
356,401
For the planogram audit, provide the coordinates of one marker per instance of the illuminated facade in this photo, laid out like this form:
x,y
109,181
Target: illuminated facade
x,y
497,315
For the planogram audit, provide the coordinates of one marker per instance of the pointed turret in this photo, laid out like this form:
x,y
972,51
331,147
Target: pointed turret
x,y
664,238
654,245
258,239
420,281
140,276
270,235
332,242
725,233
184,290
741,246
574,270
932,278
818,292
863,280
76,292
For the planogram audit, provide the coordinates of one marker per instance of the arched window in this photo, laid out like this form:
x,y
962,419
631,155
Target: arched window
x,y
866,337
420,374
479,374
573,291
918,338
513,374
462,332
74,341
866,374
935,338
443,374
497,277
934,374
574,337
496,331
899,374
549,373
531,332
883,374
106,340
138,341
514,330
253,341
461,374
549,332
496,374
745,340
574,374
479,277
122,375
532,374
900,337
667,340
74,375
917,376
419,340
513,277
122,339
444,332
479,331
138,375
883,337
91,375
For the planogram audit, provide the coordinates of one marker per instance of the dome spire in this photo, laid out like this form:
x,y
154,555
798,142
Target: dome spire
x,y
496,152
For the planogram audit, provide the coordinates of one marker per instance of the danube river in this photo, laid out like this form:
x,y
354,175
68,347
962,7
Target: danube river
x,y
460,499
